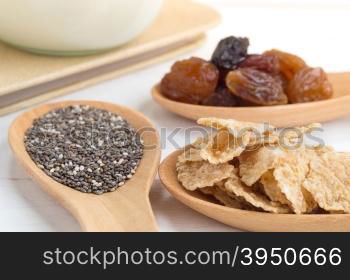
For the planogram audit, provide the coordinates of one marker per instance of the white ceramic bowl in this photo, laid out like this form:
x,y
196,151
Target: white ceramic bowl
x,y
71,27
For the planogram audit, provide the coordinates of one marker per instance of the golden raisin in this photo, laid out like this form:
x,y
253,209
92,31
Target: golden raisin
x,y
190,81
289,64
309,84
256,86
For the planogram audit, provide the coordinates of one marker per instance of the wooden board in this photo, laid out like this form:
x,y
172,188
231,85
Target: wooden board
x,y
26,79
47,95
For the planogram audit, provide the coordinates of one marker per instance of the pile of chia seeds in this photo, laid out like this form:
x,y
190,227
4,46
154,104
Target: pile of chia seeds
x,y
88,149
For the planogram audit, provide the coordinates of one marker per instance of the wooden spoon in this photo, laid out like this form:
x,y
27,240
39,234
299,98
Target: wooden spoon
x,y
243,219
280,116
126,209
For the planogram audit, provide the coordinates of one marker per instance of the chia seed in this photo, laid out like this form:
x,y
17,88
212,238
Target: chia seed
x,y
85,148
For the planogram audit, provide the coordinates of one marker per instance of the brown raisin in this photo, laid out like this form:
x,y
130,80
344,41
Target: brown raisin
x,y
256,86
221,97
289,64
222,77
244,103
190,81
309,84
268,63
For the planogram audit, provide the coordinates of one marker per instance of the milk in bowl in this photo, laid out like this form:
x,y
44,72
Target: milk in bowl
x,y
73,27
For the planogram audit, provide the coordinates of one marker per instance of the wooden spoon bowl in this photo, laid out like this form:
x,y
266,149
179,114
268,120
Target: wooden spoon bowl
x,y
279,116
126,209
243,219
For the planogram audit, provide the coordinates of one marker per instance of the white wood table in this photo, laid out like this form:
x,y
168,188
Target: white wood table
x,y
315,30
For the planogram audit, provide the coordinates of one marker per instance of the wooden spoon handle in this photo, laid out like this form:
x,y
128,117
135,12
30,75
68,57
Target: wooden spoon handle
x,y
117,216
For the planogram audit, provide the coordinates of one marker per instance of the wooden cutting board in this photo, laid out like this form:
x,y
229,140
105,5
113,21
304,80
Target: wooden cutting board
x,y
27,79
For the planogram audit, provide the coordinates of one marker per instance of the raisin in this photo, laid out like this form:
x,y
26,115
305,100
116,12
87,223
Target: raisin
x,y
289,64
222,76
309,84
244,103
282,81
268,63
190,81
234,162
221,97
256,86
230,51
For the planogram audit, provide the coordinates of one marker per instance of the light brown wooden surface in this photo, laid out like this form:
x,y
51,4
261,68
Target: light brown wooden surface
x,y
126,209
280,116
180,21
103,77
243,219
